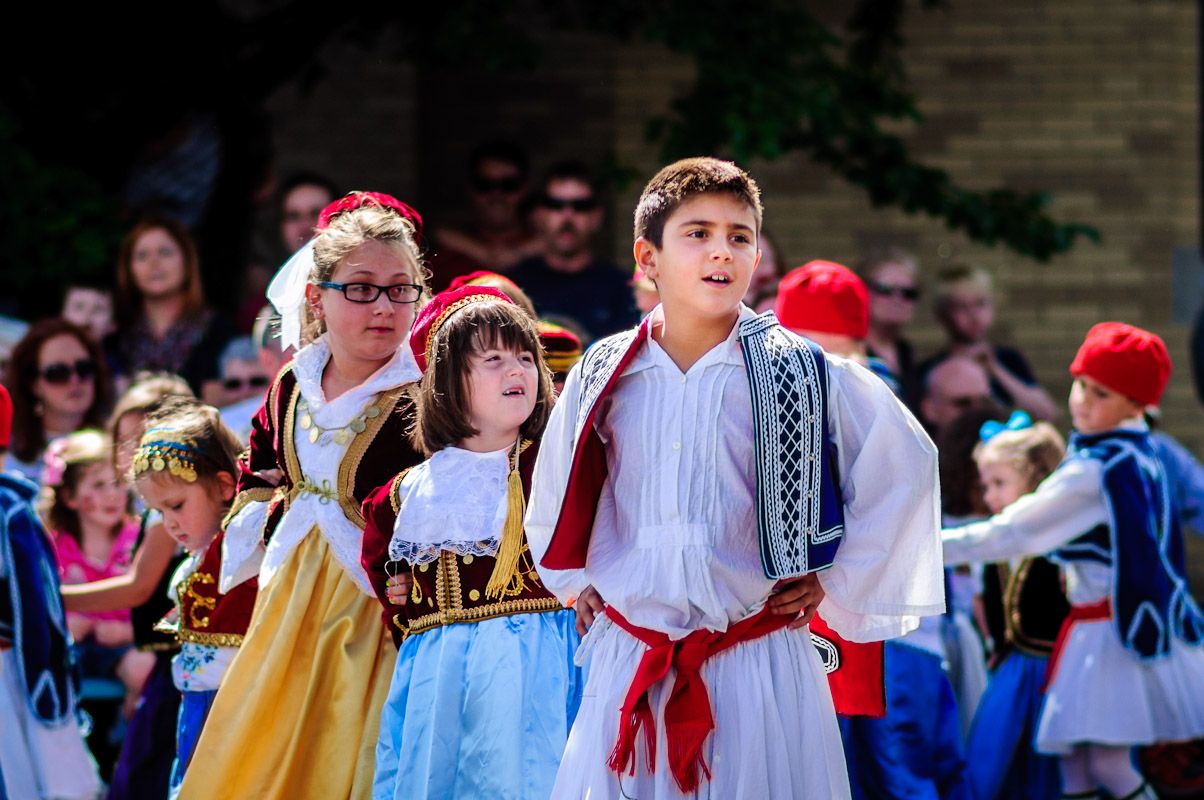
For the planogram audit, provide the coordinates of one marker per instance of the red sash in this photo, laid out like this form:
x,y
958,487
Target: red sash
x,y
1086,613
688,718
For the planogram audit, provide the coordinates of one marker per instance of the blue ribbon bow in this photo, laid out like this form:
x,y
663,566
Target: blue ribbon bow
x,y
1017,422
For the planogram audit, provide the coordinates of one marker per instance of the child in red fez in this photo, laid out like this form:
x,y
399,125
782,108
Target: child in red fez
x,y
706,482
1127,668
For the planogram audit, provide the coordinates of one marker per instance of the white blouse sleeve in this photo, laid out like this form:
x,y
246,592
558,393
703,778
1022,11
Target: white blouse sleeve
x,y
1067,504
548,483
242,547
888,571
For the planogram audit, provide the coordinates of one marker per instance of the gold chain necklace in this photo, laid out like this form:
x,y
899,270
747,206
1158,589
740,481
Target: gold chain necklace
x,y
320,435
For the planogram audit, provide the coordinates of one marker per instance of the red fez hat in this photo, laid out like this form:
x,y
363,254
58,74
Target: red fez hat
x,y
6,417
825,297
561,347
435,313
1125,359
357,199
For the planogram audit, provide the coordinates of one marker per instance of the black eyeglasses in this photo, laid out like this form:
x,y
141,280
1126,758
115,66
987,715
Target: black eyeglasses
x,y
237,384
503,185
60,372
368,292
582,205
910,293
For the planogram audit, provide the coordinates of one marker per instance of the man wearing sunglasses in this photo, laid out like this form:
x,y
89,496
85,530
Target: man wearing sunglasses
x,y
499,236
566,280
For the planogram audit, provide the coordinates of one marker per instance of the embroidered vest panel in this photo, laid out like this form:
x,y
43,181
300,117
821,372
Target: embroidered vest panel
x,y
206,615
451,589
1143,545
1034,606
800,514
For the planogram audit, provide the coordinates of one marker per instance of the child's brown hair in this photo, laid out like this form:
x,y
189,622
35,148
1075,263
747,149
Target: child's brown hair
x,y
185,438
442,397
1034,452
684,180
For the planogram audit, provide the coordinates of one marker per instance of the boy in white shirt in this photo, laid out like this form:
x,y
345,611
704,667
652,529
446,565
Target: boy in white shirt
x,y
704,478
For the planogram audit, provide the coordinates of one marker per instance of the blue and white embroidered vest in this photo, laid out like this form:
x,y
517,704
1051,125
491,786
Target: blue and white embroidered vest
x,y
800,513
1143,545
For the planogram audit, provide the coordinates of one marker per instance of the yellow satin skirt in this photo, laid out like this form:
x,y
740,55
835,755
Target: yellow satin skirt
x,y
298,712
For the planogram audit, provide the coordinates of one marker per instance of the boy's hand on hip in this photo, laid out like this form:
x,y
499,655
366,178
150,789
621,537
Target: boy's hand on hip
x,y
588,606
797,596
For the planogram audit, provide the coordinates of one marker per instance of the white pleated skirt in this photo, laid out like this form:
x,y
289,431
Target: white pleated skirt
x,y
1104,694
775,733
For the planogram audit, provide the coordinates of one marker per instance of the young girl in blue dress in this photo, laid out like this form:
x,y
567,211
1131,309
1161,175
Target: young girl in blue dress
x,y
485,689
1001,755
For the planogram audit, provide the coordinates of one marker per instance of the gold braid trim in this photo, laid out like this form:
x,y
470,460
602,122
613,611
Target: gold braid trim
x,y
257,494
292,464
453,616
349,466
1014,628
395,490
158,647
211,639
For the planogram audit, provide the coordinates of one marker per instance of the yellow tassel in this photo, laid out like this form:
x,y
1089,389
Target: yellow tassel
x,y
507,578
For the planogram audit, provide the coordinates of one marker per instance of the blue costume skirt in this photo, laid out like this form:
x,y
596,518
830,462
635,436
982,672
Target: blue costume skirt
x,y
915,750
493,702
194,710
1003,761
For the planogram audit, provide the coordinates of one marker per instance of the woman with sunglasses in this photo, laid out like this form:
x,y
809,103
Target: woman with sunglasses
x,y
891,276
166,326
59,384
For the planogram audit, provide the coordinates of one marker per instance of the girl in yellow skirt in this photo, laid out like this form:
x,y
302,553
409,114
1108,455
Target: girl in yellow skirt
x,y
298,711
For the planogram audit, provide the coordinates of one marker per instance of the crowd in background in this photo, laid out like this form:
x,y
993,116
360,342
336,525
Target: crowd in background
x,y
155,318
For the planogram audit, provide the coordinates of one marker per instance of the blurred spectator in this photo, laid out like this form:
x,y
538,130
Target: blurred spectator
x,y
165,325
965,309
303,195
59,384
176,168
91,308
770,269
953,386
561,350
249,365
567,280
499,236
891,276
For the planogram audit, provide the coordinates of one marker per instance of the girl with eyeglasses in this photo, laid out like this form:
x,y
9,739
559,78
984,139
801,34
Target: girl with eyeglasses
x,y
298,711
59,384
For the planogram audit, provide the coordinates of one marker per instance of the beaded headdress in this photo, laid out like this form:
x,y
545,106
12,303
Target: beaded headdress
x,y
160,452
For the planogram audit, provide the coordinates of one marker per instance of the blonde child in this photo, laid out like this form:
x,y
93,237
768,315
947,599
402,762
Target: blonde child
x,y
1128,666
485,690
1013,459
184,468
316,659
87,513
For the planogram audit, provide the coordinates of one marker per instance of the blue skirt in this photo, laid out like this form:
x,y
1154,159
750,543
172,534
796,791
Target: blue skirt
x,y
1003,761
144,770
493,702
194,710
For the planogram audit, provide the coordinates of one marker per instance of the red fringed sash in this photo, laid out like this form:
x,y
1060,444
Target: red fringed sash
x,y
688,718
1084,613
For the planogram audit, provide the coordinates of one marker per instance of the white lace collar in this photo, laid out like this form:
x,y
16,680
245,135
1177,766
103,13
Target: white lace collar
x,y
309,364
454,501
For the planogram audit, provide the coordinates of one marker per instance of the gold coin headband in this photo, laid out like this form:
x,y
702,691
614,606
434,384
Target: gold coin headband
x,y
160,454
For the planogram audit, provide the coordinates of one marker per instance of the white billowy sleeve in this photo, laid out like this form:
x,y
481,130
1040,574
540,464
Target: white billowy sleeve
x,y
888,571
548,483
1067,504
242,546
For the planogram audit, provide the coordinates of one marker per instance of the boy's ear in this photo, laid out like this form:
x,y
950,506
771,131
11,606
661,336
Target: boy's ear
x,y
645,255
